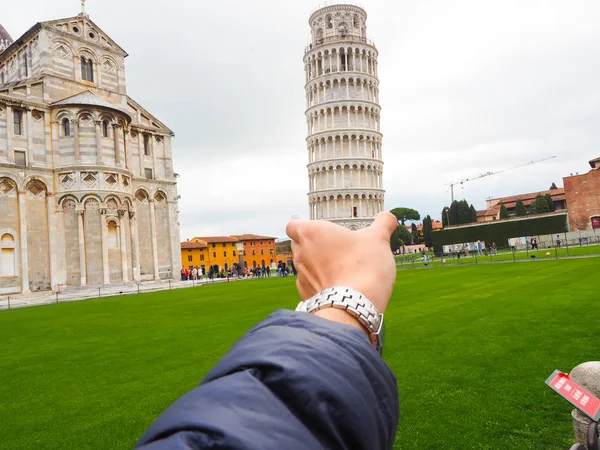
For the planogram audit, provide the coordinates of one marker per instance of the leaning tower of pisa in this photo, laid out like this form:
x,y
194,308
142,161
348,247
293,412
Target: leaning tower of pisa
x,y
343,118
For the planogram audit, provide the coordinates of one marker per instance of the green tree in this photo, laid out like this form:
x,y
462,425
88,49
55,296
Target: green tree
x,y
540,205
427,229
520,209
403,235
395,241
414,234
553,186
404,214
504,212
453,213
464,212
551,205
445,215
473,214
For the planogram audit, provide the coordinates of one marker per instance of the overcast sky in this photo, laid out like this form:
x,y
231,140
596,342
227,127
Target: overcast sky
x,y
467,86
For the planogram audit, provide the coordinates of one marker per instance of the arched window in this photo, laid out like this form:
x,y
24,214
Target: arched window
x,y
87,69
356,21
105,128
8,267
113,235
66,124
329,22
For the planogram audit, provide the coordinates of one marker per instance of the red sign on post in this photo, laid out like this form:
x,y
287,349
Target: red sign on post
x,y
575,394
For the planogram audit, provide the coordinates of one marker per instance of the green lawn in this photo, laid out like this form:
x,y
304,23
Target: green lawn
x,y
471,347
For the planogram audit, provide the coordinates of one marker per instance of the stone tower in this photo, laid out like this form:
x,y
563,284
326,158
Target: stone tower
x,y
343,118
5,39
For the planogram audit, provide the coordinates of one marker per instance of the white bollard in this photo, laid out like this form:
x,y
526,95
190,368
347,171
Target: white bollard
x,y
587,375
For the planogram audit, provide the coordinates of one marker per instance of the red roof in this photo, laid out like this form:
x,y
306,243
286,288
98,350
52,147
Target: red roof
x,y
217,239
192,245
531,196
252,237
595,162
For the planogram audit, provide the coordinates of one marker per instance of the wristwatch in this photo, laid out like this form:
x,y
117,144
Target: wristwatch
x,y
354,303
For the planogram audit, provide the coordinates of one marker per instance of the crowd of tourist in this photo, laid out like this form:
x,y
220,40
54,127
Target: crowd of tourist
x,y
237,272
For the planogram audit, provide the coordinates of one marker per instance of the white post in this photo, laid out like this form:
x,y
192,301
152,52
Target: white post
x,y
23,241
82,268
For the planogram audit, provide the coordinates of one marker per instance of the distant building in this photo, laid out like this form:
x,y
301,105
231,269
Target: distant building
x,y
222,252
583,198
493,205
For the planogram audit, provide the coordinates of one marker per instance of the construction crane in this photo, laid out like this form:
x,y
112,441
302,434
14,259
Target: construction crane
x,y
487,174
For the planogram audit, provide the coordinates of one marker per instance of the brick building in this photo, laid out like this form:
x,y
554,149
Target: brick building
x,y
492,211
583,198
88,194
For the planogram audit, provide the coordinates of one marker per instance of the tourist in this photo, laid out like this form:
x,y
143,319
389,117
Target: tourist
x,y
187,274
479,246
182,274
302,380
194,273
557,241
534,244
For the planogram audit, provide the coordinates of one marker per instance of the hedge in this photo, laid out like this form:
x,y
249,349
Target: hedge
x,y
500,232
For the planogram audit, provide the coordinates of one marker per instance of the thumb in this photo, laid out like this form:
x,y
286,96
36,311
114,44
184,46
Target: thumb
x,y
384,225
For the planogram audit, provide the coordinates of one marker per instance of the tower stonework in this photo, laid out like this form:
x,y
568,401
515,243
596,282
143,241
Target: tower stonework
x,y
343,119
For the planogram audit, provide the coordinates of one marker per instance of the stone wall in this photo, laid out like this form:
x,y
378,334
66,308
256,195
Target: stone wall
x,y
583,199
93,243
37,242
71,231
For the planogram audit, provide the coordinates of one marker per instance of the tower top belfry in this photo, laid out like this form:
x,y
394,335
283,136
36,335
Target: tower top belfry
x,y
5,39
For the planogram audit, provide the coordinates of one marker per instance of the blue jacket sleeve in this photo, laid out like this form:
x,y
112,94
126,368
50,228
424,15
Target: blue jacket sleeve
x,y
294,381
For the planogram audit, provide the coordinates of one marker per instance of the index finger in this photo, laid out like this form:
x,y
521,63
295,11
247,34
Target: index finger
x,y
292,230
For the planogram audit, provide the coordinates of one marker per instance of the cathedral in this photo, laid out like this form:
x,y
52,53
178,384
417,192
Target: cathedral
x,y
88,195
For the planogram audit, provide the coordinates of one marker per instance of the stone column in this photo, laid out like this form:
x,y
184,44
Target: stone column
x,y
9,133
141,152
75,124
151,141
51,239
29,137
23,243
82,267
135,248
116,144
154,239
123,246
587,375
98,124
125,149
55,144
104,236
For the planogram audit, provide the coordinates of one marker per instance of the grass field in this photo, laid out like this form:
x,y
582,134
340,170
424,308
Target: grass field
x,y
471,347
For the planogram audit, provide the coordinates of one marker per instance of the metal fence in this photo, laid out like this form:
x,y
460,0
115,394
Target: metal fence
x,y
567,249
19,301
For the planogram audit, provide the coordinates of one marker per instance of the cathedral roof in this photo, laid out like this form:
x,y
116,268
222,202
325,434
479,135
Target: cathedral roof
x,y
88,98
5,39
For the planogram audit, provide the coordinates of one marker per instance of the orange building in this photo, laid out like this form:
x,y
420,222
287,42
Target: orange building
x,y
222,252
258,250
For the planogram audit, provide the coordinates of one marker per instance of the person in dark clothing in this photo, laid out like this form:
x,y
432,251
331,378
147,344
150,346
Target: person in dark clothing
x,y
309,379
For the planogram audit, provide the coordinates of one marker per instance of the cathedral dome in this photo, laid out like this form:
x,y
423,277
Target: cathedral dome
x,y
5,39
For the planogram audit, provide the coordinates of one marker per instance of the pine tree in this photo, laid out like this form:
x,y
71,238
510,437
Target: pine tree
x,y
414,234
553,186
473,214
445,214
504,212
427,229
520,209
540,205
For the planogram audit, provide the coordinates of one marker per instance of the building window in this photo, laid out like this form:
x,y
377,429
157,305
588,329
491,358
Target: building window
x,y
148,174
271,251
189,258
25,68
253,253
596,223
329,22
18,121
356,22
224,245
201,257
87,69
354,211
214,254
20,158
234,253
262,251
105,128
7,256
252,244
146,144
66,126
261,242
214,245
225,254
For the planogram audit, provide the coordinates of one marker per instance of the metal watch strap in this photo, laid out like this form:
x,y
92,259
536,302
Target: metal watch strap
x,y
349,300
